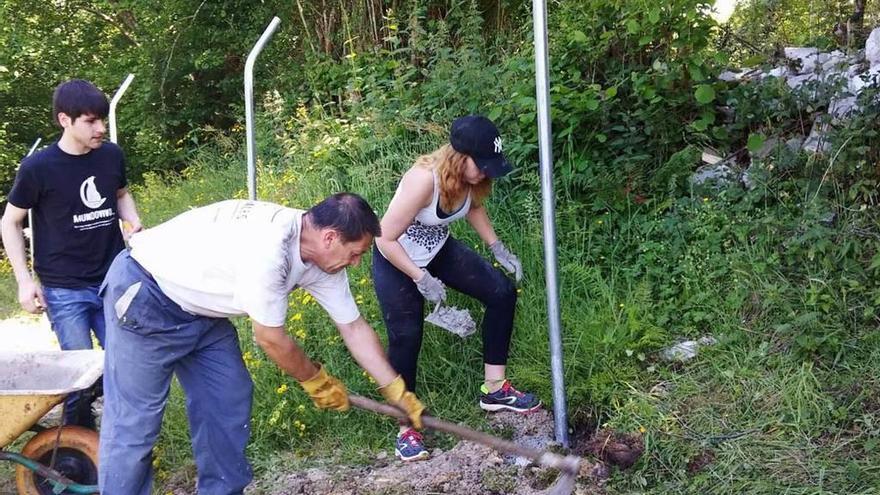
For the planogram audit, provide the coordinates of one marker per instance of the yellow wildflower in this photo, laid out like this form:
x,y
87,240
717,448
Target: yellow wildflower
x,y
297,317
280,390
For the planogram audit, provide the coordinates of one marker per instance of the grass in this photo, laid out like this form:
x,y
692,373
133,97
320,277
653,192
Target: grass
x,y
758,412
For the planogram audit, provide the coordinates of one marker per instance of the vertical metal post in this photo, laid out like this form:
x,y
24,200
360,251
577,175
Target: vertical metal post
x,y
539,14
249,106
114,101
30,212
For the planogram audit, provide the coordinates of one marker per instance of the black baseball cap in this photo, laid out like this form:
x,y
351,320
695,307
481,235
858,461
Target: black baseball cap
x,y
477,137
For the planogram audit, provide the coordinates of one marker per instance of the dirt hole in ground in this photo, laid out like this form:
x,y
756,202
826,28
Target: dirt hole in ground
x,y
614,449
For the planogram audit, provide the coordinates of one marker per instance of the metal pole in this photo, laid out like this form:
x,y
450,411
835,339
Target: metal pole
x,y
249,106
33,147
114,101
539,14
30,212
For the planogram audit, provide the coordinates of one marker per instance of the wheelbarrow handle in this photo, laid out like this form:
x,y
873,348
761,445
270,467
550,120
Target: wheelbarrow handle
x,y
567,464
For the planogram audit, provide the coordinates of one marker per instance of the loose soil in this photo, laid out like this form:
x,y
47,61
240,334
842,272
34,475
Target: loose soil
x,y
467,468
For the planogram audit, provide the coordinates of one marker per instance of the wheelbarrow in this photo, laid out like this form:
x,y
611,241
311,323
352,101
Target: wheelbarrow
x,y
63,459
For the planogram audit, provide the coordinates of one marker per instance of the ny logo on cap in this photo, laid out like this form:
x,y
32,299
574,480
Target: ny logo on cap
x,y
497,144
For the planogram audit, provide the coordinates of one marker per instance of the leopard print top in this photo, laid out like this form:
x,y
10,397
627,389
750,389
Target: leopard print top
x,y
424,238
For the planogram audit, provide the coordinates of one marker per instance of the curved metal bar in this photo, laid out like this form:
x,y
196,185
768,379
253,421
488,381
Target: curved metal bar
x,y
249,105
539,15
114,101
59,482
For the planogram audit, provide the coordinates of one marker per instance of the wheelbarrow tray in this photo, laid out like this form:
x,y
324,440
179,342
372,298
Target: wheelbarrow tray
x,y
32,383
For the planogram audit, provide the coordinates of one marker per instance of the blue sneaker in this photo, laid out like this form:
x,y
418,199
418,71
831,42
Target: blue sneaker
x,y
410,447
509,399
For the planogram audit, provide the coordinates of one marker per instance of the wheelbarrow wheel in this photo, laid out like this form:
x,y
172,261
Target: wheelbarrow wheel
x,y
76,459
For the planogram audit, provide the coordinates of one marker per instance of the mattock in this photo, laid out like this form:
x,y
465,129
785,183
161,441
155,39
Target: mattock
x,y
568,466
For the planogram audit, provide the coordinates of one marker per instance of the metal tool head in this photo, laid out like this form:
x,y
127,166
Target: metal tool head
x,y
455,320
564,485
569,466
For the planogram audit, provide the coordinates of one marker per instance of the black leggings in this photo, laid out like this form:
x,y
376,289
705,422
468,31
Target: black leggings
x,y
461,269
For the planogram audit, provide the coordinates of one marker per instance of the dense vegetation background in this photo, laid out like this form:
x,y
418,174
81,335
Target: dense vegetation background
x,y
351,91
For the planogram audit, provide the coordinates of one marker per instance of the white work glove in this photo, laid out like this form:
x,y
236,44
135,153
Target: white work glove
x,y
507,260
431,287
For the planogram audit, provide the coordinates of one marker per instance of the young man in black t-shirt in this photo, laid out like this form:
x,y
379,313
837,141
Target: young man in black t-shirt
x,y
76,189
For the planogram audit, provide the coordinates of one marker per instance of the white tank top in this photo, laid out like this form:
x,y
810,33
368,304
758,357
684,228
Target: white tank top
x,y
424,238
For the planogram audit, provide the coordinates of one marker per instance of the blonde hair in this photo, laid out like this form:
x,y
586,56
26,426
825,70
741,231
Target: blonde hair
x,y
450,166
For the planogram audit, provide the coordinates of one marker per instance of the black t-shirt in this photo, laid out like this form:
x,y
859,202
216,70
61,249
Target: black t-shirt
x,y
75,220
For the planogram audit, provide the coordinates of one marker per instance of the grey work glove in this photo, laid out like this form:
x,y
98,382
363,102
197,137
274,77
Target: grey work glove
x,y
431,287
507,260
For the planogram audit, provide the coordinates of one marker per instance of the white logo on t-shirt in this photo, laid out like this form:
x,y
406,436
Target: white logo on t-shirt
x,y
497,144
89,194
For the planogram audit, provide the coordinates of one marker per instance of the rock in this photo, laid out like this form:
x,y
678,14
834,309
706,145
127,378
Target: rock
x,y
747,181
598,471
707,340
869,78
718,174
795,143
854,70
687,350
730,76
765,150
662,389
817,141
828,219
494,459
836,61
807,57
872,47
842,106
778,72
683,351
710,156
799,54
795,82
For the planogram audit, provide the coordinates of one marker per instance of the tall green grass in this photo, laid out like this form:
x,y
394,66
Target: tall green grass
x,y
785,402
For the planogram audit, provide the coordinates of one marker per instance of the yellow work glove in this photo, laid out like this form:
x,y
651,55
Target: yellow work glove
x,y
326,391
396,394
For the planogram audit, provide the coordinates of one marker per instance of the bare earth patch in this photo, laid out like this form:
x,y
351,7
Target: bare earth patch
x,y
467,468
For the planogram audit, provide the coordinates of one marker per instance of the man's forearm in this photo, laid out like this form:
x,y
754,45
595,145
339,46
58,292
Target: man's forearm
x,y
127,209
13,242
366,349
284,352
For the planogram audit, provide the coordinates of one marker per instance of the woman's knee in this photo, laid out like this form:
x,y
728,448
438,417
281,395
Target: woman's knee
x,y
503,294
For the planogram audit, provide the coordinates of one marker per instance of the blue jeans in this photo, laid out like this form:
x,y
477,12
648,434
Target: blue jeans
x,y
74,314
149,338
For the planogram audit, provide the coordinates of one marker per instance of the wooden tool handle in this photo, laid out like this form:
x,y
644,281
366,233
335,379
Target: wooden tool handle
x,y
567,464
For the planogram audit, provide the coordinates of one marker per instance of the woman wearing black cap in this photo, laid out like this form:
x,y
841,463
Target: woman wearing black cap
x,y
415,259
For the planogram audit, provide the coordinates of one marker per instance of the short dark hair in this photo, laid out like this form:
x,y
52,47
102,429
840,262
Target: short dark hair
x,y
78,97
348,214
